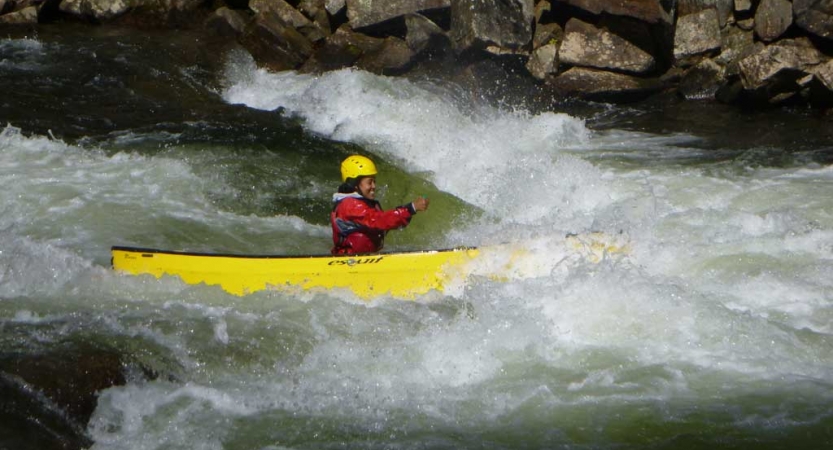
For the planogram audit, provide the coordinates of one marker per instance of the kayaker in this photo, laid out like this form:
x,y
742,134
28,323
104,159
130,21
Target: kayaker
x,y
358,220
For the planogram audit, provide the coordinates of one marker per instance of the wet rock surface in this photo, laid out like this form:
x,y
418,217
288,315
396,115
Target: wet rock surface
x,y
632,44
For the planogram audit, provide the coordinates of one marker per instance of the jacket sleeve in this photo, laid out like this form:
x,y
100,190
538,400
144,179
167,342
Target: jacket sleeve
x,y
365,215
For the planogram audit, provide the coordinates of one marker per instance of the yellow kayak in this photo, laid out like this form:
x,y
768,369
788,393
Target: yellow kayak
x,y
404,275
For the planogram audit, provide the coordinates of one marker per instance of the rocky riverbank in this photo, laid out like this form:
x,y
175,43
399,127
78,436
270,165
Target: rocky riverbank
x,y
759,52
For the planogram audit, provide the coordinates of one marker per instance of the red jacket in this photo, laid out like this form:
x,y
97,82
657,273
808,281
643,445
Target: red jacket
x,y
360,224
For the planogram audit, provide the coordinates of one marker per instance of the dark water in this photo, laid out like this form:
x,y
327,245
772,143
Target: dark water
x,y
714,332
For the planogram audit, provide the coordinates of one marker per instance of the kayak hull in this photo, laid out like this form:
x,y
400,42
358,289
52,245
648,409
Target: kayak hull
x,y
401,275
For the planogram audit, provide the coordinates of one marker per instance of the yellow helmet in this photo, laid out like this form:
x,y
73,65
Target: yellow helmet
x,y
356,166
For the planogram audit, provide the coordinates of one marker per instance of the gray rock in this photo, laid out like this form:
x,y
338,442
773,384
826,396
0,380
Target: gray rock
x,y
702,81
363,13
772,18
543,6
101,10
697,34
743,6
25,16
599,85
547,33
650,11
275,44
502,23
824,73
736,44
588,46
543,61
226,22
815,16
779,63
423,34
746,24
311,8
723,8
287,13
342,49
334,6
392,57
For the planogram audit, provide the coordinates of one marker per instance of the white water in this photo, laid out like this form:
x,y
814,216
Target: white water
x,y
727,291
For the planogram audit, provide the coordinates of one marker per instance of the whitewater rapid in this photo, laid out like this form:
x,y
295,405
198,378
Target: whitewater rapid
x,y
718,320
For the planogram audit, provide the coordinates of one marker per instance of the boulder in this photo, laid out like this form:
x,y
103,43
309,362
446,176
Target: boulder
x,y
736,44
696,34
547,33
363,13
772,18
723,8
502,23
824,74
226,22
588,46
599,85
25,16
99,10
779,63
334,6
743,6
815,16
543,61
275,44
650,11
702,81
347,48
423,34
284,10
391,58
542,7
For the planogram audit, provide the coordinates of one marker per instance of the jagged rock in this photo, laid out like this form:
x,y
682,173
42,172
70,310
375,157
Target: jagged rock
x,y
363,13
817,88
650,11
502,23
542,7
815,16
226,22
588,46
311,7
100,10
284,10
746,24
335,6
697,34
599,85
547,33
275,44
543,61
346,48
824,73
779,63
736,44
702,81
723,8
25,16
743,6
392,57
423,34
772,18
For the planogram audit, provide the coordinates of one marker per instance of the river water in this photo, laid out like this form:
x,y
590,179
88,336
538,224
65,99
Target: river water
x,y
714,331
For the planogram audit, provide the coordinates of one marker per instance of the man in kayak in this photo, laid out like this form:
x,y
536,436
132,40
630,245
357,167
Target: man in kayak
x,y
359,223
